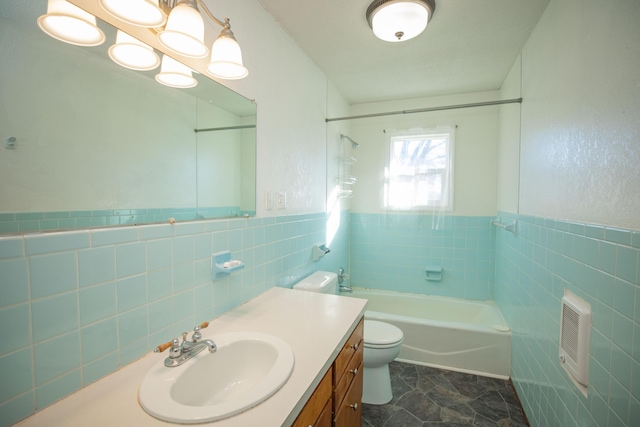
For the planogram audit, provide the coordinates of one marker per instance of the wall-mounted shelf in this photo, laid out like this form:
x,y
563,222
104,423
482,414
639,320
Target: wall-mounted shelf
x,y
344,179
222,265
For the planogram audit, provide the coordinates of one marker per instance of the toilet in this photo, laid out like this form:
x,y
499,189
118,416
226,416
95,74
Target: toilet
x,y
382,343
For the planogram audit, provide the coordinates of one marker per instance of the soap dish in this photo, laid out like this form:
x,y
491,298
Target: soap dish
x,y
223,265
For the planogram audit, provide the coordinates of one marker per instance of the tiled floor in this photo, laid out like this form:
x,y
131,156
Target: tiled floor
x,y
429,397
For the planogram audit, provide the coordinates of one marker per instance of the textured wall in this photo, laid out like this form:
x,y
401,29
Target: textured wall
x,y
581,114
580,150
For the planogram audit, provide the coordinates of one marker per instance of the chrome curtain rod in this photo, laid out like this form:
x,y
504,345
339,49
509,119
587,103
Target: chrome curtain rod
x,y
225,128
426,110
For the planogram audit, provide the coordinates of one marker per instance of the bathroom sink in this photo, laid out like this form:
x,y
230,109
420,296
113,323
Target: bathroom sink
x,y
246,369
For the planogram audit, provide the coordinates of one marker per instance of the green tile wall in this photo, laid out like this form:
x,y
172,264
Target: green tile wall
x,y
598,264
75,306
391,252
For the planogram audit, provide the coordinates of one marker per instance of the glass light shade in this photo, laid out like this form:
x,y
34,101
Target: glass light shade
x,y
132,53
70,24
143,13
226,59
173,73
184,33
400,21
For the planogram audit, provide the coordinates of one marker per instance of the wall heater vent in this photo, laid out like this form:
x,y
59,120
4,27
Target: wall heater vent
x,y
575,328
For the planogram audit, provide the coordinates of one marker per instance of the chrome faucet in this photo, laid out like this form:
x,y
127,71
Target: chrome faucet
x,y
341,277
179,353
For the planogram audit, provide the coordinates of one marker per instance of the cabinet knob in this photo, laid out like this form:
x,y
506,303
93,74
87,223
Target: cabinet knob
x,y
355,346
354,406
354,371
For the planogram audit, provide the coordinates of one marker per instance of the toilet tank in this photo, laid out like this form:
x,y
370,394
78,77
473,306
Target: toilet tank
x,y
321,281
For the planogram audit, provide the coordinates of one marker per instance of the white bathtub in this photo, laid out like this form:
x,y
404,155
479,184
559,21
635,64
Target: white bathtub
x,y
450,333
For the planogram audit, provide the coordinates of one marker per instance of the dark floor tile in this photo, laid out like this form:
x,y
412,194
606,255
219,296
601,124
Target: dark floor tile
x,y
517,415
458,414
491,406
470,389
376,415
402,418
492,383
481,421
445,397
410,376
509,396
420,406
430,397
398,387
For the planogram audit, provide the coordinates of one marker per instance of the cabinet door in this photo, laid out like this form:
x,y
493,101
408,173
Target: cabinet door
x,y
325,417
349,414
317,403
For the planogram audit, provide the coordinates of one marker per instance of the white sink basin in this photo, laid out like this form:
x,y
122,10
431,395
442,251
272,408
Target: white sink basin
x,y
247,369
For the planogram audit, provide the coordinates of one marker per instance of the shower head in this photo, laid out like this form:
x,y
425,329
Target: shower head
x,y
354,144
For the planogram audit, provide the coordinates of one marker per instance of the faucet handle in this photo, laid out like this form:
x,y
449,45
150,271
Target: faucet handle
x,y
163,347
197,336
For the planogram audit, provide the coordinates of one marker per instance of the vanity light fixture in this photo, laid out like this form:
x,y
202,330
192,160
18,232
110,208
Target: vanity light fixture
x,y
226,56
68,23
131,53
175,74
143,13
399,20
184,35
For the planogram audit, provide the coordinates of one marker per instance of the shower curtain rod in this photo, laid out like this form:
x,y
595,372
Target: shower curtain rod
x,y
425,110
225,128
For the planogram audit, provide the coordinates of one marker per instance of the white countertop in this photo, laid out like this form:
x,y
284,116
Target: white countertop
x,y
316,326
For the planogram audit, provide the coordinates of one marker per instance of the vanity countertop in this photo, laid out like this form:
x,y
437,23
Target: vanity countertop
x,y
316,326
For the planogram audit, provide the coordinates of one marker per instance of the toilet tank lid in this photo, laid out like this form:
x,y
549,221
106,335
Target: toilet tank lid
x,y
316,281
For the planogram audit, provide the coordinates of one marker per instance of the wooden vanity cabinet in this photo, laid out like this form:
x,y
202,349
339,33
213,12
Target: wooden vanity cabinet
x,y
347,380
337,401
317,410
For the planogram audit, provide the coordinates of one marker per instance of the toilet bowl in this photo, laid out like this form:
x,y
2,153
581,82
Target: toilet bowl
x,y
382,343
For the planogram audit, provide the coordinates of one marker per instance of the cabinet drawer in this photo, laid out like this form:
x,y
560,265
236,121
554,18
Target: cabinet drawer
x,y
349,413
353,344
351,372
316,403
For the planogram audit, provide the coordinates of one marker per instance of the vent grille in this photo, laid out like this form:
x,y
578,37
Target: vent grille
x,y
570,327
575,328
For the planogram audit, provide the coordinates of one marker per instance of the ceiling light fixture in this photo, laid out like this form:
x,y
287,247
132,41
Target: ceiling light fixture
x,y
399,20
132,53
70,24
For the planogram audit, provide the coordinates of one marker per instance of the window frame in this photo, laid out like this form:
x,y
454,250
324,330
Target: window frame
x,y
447,172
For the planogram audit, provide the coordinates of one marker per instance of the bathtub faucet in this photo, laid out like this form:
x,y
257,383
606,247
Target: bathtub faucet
x,y
341,277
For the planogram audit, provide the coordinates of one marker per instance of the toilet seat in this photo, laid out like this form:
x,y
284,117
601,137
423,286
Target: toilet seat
x,y
381,335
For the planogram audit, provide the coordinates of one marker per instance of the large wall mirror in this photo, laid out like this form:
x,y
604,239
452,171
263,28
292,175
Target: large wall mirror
x,y
88,143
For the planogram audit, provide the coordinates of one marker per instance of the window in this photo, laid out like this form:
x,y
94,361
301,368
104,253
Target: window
x,y
420,169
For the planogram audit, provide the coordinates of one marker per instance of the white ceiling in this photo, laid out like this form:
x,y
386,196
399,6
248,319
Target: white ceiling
x,y
469,46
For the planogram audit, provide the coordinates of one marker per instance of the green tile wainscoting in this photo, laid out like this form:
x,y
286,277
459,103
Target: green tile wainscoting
x,y
76,306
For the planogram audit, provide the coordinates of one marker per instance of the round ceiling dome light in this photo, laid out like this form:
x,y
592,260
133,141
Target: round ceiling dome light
x,y
399,20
